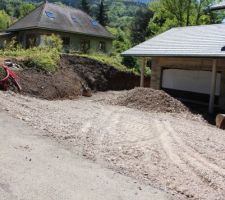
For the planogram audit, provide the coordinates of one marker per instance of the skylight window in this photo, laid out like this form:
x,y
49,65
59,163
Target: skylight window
x,y
74,19
94,23
50,14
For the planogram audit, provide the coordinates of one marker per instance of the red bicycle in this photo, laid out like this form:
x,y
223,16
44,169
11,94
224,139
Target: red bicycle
x,y
9,80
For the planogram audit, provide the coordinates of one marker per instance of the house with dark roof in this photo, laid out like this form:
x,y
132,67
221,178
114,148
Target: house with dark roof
x,y
187,62
78,30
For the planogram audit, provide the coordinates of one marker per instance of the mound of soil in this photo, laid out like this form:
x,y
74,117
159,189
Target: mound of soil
x,y
76,76
147,99
99,76
64,84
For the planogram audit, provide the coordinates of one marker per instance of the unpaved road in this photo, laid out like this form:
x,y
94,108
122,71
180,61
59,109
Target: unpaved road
x,y
33,167
183,157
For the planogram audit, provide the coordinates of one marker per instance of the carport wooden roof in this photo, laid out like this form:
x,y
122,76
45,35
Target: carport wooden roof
x,y
192,41
218,6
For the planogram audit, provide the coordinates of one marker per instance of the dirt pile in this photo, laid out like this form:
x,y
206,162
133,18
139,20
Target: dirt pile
x,y
147,99
99,76
76,76
94,73
64,84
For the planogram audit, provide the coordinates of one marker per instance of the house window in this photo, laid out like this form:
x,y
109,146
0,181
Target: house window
x,y
50,14
66,41
102,46
94,23
31,40
75,19
85,45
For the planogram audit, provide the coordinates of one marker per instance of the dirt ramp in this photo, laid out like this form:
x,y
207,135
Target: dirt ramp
x,y
147,99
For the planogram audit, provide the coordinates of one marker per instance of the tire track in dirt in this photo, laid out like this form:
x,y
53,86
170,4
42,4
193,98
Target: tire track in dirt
x,y
119,123
194,156
188,160
203,168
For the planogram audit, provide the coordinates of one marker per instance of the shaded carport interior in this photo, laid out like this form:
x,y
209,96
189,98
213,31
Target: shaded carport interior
x,y
200,44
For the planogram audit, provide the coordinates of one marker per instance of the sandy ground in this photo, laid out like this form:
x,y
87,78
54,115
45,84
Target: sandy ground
x,y
34,167
181,156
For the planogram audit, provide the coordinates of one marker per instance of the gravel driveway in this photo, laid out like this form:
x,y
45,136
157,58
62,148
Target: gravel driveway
x,y
34,167
181,156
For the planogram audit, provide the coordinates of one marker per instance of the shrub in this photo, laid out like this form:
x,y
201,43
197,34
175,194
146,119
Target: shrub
x,y
53,41
43,59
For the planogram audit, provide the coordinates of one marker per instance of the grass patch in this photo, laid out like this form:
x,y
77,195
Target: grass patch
x,y
46,57
41,58
114,61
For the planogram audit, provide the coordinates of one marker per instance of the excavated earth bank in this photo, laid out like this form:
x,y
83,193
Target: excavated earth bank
x,y
74,74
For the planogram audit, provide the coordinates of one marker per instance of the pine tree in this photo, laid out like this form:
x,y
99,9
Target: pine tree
x,y
84,5
139,26
102,15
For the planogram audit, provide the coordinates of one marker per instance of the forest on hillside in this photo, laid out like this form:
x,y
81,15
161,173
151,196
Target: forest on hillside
x,y
131,21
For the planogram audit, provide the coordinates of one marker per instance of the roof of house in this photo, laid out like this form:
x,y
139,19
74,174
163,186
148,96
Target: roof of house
x,y
218,6
60,18
192,41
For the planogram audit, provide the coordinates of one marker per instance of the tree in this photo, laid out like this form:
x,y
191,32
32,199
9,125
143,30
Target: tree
x,y
5,20
102,16
173,13
84,5
24,9
139,26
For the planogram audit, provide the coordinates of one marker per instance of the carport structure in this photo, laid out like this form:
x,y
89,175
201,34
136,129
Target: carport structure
x,y
188,62
219,6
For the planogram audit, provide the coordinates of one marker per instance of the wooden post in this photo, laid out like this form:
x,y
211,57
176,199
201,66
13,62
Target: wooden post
x,y
142,82
213,88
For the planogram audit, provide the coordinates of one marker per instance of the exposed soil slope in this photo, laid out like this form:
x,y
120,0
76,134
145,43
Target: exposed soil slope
x,y
75,74
62,84
99,76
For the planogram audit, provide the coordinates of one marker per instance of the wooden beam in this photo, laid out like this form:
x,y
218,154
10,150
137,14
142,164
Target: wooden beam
x,y
213,88
143,63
